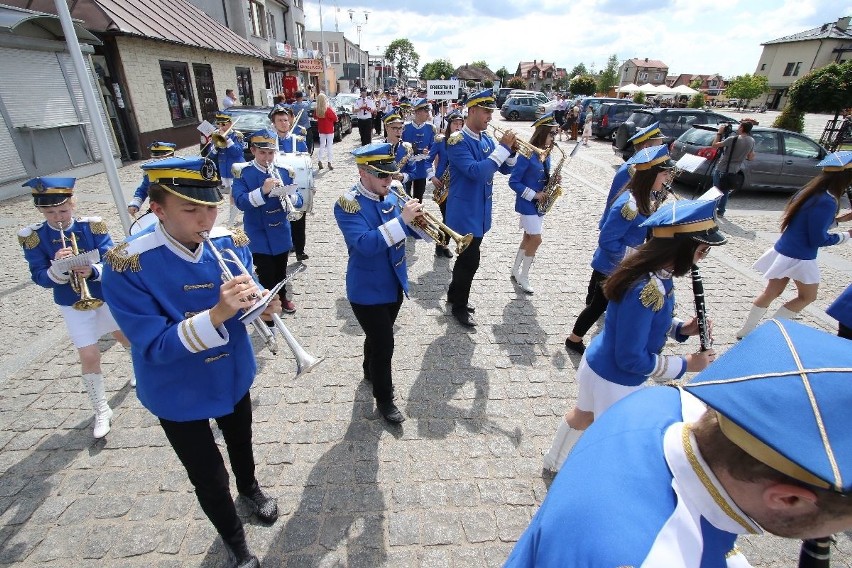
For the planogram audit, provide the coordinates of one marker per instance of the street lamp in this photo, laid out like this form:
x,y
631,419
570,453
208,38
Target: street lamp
x,y
358,25
322,52
381,49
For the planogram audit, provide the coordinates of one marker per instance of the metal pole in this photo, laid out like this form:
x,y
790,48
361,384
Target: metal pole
x,y
322,52
92,107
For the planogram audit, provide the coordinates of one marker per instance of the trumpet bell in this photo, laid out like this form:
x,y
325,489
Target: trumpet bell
x,y
87,304
463,243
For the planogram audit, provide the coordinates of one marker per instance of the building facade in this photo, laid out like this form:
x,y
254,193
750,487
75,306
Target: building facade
x,y
786,59
641,71
346,63
711,85
538,74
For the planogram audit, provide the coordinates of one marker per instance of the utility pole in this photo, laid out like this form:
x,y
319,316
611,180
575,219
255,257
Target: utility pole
x,y
358,24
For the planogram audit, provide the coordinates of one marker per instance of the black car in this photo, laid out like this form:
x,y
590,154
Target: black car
x,y
673,123
609,116
342,127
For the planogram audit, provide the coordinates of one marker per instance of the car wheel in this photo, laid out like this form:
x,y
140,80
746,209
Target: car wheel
x,y
514,115
337,136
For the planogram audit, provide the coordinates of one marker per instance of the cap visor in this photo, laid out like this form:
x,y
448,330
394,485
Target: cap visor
x,y
199,195
50,200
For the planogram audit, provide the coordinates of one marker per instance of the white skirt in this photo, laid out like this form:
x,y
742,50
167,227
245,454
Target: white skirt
x,y
87,327
531,224
596,393
774,265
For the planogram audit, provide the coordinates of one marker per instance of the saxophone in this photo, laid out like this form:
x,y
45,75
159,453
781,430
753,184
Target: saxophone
x,y
440,195
552,190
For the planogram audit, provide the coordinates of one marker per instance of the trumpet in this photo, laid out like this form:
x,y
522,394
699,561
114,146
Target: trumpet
x,y
293,214
305,362
220,139
522,147
438,231
78,283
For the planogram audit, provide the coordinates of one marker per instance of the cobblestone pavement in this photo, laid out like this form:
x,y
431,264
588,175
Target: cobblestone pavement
x,y
453,486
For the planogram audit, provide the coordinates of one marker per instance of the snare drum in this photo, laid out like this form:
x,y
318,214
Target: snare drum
x,y
143,222
303,176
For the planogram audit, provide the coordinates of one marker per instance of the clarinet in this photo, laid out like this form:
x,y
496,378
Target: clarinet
x,y
815,553
700,309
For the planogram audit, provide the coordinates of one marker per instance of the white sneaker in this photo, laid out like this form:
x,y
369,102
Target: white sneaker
x,y
102,426
133,381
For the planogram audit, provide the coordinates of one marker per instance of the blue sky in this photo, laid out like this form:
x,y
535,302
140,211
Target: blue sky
x,y
716,36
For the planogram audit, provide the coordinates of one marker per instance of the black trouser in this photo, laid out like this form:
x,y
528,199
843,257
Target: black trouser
x,y
271,269
596,304
377,123
194,445
416,188
467,263
365,129
377,322
844,331
297,233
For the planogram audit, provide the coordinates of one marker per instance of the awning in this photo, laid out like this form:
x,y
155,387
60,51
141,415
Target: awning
x,y
629,88
19,21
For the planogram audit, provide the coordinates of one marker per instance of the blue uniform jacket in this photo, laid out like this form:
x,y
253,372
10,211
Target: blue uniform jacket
x,y
141,193
420,137
375,238
227,157
627,351
620,230
628,495
40,242
402,152
160,294
622,176
439,150
473,162
264,219
305,118
841,308
528,177
292,144
808,229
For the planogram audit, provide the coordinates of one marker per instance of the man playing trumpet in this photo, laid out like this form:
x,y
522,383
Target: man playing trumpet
x,y
191,354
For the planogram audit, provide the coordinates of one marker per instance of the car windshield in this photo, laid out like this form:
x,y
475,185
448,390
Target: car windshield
x,y
345,99
697,137
249,122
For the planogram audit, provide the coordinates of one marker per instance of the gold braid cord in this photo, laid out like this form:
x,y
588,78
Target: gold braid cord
x,y
31,241
98,227
240,238
651,296
120,261
348,205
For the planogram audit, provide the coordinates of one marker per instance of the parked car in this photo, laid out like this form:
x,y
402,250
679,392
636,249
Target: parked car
x,y
673,123
502,95
783,161
609,116
342,127
549,106
593,102
521,107
506,93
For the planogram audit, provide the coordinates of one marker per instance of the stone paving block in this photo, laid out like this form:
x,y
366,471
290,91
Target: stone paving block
x,y
479,525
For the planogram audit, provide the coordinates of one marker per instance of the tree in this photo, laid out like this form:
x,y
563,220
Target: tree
x,y
488,83
609,76
440,68
697,101
639,98
480,64
790,119
402,56
561,84
471,84
502,73
695,84
577,71
517,83
747,87
825,90
583,85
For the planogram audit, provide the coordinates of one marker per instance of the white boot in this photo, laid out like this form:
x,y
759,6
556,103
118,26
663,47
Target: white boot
x,y
784,313
751,321
519,258
133,380
233,213
562,444
95,387
523,277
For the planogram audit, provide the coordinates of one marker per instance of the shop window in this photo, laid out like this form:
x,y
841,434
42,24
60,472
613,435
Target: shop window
x,y
178,91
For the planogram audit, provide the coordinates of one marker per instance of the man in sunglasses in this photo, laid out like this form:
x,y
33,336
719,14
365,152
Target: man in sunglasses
x,y
375,223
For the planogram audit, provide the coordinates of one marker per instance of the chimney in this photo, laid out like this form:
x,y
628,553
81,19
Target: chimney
x,y
843,23
646,60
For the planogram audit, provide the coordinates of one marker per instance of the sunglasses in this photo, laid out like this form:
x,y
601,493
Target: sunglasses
x,y
702,252
378,174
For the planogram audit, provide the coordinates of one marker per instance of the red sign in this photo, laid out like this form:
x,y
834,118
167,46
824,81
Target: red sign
x,y
310,65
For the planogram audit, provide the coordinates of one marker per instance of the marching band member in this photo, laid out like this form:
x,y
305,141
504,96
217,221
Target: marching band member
x,y
302,109
402,151
474,158
226,157
804,229
191,354
51,240
379,112
639,318
670,477
265,219
281,117
375,224
158,150
441,167
622,231
420,133
364,108
528,180
383,105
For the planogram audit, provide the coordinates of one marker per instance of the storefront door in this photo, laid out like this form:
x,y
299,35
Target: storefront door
x,y
206,90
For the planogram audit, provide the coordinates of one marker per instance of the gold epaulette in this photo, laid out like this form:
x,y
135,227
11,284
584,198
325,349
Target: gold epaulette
x,y
28,238
629,210
98,227
348,203
651,296
237,169
238,134
239,236
120,261
439,138
455,137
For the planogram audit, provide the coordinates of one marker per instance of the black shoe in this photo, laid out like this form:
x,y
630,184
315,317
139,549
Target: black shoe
x,y
575,346
390,412
264,506
464,317
239,554
469,307
443,251
300,256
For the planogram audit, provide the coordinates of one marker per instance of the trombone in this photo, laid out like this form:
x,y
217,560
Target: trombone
x,y
438,231
305,362
220,139
78,283
522,147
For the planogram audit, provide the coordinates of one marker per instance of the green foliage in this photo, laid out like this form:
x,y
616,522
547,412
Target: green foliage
x,y
578,70
402,56
790,118
481,64
517,83
488,83
583,85
609,76
696,100
561,84
502,73
471,84
639,98
695,84
828,89
437,69
747,87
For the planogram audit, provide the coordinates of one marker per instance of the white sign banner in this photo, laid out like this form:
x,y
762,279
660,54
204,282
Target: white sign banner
x,y
442,89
